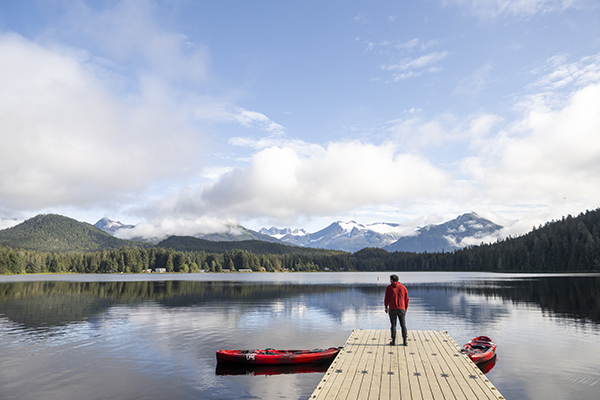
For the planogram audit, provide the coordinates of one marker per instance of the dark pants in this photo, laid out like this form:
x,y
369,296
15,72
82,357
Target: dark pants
x,y
396,315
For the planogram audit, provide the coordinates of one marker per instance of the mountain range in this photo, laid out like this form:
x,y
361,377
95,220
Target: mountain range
x,y
347,236
467,229
57,233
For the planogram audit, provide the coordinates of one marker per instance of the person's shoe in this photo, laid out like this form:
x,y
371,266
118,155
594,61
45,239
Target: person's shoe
x,y
393,343
405,342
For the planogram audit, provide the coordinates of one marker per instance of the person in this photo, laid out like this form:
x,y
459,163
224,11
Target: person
x,y
396,304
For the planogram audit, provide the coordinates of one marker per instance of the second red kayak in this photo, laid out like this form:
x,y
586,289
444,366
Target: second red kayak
x,y
480,349
272,356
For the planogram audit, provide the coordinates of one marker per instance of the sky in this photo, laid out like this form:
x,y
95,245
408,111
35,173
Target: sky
x,y
185,117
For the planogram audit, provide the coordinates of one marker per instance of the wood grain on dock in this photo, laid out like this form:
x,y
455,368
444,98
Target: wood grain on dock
x,y
430,367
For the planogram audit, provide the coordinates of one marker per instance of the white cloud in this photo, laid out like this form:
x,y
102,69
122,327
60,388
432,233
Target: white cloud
x,y
420,133
406,75
285,182
68,140
8,223
159,229
408,45
128,32
83,131
559,77
414,67
549,156
408,67
387,46
277,140
417,63
486,9
477,240
211,110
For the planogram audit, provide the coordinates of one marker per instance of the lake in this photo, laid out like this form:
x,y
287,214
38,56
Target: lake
x,y
155,336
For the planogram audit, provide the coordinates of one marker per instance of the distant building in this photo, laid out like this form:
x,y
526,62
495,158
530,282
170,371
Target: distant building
x,y
245,270
160,270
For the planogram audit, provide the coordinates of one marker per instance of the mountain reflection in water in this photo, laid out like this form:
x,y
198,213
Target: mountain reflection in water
x,y
43,304
157,339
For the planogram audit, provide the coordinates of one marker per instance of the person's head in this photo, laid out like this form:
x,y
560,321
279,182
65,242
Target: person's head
x,y
394,278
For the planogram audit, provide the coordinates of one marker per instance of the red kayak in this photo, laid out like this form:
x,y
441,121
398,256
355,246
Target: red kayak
x,y
271,356
480,349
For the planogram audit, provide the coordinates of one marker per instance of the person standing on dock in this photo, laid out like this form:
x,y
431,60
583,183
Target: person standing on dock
x,y
396,304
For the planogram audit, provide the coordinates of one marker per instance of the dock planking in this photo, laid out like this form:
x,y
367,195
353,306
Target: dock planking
x,y
430,367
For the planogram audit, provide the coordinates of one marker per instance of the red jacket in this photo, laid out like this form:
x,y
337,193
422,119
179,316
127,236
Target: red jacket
x,y
396,296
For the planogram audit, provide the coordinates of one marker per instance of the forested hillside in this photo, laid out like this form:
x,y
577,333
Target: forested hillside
x,y
569,245
50,232
188,243
135,260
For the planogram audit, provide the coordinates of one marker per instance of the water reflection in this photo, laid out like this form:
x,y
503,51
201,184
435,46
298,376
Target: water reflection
x,y
46,304
157,339
237,369
488,365
565,296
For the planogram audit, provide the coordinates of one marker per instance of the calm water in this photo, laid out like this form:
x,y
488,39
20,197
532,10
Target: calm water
x,y
155,336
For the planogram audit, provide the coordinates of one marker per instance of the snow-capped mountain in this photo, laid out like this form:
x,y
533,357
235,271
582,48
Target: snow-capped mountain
x,y
466,230
110,226
347,236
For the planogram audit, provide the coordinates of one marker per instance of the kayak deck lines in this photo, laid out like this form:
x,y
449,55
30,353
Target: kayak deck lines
x,y
432,366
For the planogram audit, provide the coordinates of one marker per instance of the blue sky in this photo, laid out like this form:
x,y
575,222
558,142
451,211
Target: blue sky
x,y
183,116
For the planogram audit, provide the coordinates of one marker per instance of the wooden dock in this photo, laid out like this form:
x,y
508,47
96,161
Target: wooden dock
x,y
430,367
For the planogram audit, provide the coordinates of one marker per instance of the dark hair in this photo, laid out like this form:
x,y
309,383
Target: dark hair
x,y
394,278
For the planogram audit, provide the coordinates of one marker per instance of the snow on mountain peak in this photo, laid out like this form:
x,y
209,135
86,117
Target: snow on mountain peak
x,y
279,233
111,226
349,225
